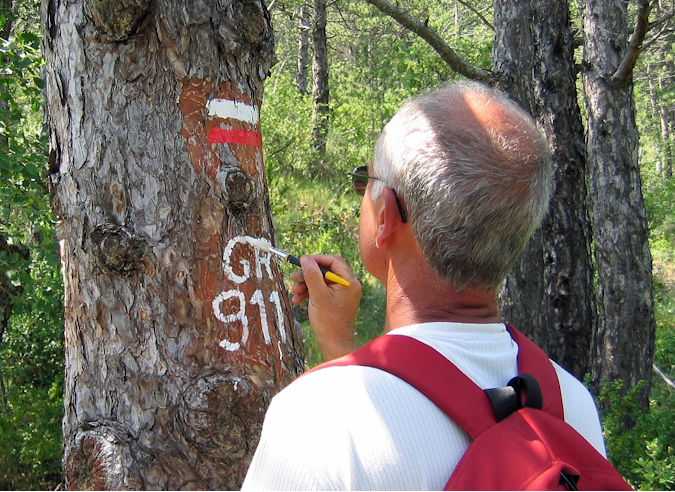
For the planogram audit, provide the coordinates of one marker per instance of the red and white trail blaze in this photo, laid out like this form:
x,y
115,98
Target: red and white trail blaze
x,y
227,109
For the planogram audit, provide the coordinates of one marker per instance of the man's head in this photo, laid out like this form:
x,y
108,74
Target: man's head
x,y
475,175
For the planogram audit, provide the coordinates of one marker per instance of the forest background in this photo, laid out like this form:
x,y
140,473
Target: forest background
x,y
373,65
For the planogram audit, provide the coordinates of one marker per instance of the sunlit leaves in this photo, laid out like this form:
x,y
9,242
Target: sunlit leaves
x,y
31,346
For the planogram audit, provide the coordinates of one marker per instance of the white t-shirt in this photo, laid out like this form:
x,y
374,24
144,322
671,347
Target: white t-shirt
x,y
360,428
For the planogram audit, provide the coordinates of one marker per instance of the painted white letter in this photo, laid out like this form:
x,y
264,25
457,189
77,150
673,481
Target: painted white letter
x,y
231,318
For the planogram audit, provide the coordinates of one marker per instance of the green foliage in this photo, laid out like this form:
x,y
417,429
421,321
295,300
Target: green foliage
x,y
31,369
31,346
374,67
657,469
286,120
643,452
30,438
23,194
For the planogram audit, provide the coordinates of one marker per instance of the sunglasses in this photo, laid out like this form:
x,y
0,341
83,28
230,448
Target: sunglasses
x,y
360,179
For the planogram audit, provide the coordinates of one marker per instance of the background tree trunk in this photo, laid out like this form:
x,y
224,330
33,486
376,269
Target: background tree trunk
x,y
304,30
320,90
177,332
665,115
624,343
550,293
664,165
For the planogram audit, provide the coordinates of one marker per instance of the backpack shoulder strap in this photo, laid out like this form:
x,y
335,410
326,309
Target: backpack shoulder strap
x,y
532,360
430,373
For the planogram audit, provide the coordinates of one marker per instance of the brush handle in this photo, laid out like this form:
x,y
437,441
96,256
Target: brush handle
x,y
327,274
292,259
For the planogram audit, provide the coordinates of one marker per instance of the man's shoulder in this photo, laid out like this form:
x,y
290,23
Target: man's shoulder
x,y
353,394
366,429
337,381
580,408
570,384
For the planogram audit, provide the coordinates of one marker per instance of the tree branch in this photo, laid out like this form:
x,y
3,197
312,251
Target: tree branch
x,y
663,376
662,28
627,65
662,20
447,54
479,14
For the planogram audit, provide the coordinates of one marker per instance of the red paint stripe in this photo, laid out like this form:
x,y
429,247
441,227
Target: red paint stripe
x,y
241,137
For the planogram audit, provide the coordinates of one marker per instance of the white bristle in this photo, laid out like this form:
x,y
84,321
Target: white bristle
x,y
261,244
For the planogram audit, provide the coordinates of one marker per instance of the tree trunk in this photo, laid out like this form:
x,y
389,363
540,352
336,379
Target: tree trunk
x,y
666,124
320,80
656,112
177,332
660,112
303,49
624,345
550,293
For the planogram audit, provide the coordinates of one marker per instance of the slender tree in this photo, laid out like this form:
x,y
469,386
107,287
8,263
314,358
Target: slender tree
x,y
177,331
661,112
304,30
550,294
624,343
320,90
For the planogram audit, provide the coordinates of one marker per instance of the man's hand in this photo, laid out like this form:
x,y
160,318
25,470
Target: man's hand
x,y
332,307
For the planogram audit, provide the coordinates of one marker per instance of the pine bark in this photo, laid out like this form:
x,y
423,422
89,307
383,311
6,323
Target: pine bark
x,y
550,293
177,332
624,344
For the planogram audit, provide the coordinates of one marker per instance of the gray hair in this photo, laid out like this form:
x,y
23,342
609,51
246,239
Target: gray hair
x,y
475,188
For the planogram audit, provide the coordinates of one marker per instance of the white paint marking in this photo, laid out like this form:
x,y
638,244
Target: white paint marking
x,y
239,315
258,299
227,266
276,300
225,108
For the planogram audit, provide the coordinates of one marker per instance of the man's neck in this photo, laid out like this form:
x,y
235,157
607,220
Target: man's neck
x,y
420,297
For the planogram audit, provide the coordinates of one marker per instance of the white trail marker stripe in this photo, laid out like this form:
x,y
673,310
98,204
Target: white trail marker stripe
x,y
226,108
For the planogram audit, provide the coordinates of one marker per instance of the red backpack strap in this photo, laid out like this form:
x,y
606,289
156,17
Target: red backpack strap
x,y
532,360
432,374
429,372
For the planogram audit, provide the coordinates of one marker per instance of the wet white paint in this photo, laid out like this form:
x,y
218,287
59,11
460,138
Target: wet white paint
x,y
228,109
233,307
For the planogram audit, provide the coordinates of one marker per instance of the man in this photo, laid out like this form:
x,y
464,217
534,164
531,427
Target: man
x,y
460,179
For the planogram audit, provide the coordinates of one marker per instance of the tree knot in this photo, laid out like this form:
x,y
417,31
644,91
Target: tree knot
x,y
116,249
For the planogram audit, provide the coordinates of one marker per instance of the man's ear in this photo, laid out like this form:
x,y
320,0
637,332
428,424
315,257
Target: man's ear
x,y
388,217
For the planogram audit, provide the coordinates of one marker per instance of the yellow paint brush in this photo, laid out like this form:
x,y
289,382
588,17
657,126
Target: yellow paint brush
x,y
267,247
